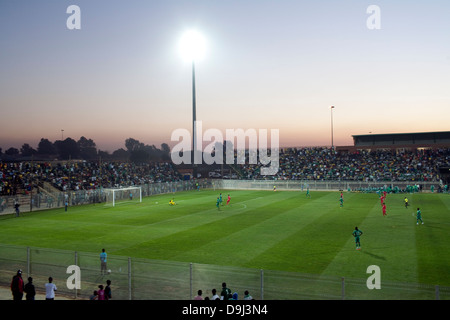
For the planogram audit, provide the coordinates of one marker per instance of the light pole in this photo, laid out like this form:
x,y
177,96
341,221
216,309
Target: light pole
x,y
194,119
193,49
332,142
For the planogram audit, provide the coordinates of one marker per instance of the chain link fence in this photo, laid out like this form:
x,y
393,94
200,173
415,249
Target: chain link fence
x,y
145,279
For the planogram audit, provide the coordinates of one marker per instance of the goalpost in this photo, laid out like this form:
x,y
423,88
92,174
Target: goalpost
x,y
129,194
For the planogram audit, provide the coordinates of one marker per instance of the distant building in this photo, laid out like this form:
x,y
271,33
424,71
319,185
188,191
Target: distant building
x,y
399,141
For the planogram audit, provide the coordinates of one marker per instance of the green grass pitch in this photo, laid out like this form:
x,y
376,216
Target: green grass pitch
x,y
282,230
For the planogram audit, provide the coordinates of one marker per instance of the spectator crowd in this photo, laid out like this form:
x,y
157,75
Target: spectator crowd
x,y
18,177
320,163
317,163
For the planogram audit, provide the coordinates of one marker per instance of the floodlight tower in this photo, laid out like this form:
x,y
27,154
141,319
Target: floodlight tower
x,y
193,49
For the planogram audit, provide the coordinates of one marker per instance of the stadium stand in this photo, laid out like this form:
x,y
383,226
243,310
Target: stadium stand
x,y
318,163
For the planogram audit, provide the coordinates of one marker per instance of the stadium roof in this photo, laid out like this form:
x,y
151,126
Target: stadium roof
x,y
438,139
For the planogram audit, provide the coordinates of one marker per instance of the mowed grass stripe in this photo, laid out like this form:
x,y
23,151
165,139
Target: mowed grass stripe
x,y
260,232
388,242
318,238
432,238
212,225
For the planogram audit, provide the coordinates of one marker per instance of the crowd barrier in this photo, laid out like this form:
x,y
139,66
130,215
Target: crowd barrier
x,y
146,279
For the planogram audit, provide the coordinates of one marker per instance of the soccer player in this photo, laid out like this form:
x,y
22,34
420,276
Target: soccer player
x,y
171,202
341,199
382,200
220,199
228,199
307,193
384,209
418,216
406,202
218,203
357,233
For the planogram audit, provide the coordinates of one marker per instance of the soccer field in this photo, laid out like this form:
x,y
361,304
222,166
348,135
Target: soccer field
x,y
282,230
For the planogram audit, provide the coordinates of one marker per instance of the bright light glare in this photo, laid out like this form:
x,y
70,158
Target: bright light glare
x,y
192,46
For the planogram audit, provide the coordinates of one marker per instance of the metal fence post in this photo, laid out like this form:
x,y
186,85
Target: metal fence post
x,y
190,281
262,284
28,261
129,279
343,288
76,263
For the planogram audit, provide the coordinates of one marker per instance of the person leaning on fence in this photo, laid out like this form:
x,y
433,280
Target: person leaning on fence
x,y
17,286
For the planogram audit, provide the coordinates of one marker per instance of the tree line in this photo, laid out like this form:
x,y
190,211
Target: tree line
x,y
86,149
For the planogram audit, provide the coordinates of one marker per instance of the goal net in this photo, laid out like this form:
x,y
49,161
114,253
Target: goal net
x,y
123,195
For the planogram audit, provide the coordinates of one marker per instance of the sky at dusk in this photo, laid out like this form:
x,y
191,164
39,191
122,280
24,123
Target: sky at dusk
x,y
268,65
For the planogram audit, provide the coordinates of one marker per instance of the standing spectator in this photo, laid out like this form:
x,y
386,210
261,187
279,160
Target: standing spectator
x,y
50,289
17,286
215,296
103,257
226,293
101,292
247,295
16,207
94,295
108,290
29,289
199,295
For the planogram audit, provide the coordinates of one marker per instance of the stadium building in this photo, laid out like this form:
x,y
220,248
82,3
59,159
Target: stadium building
x,y
399,141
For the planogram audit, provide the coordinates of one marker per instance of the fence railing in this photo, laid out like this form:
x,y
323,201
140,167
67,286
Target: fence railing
x,y
363,186
145,279
48,199
56,199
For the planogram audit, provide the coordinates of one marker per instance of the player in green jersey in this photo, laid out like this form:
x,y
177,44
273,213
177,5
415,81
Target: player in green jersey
x,y
218,203
418,216
357,233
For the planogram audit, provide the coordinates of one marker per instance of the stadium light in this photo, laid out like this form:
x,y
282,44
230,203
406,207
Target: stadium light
x,y
192,48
